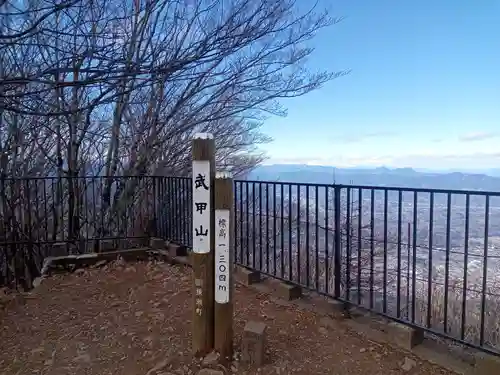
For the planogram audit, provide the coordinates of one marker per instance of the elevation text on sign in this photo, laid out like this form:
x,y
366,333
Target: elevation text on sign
x,y
222,256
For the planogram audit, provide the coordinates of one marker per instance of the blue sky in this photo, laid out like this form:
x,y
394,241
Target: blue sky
x,y
424,90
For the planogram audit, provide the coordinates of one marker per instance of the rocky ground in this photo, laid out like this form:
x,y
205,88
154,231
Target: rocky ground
x,y
134,319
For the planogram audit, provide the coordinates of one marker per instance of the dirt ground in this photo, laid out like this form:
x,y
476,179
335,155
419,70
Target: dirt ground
x,y
134,319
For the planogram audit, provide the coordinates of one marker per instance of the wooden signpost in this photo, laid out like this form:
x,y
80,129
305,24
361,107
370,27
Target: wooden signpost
x,y
223,335
212,262
203,153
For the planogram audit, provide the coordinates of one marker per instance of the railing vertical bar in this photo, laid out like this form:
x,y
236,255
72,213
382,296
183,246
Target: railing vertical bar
x,y
372,244
307,252
360,235
282,230
348,245
398,282
327,235
290,249
337,260
247,212
170,214
414,262
187,218
86,206
385,251
260,227
182,213
485,269
242,237
46,214
155,212
316,238
177,210
38,217
299,263
430,266
254,232
466,265
447,263
268,239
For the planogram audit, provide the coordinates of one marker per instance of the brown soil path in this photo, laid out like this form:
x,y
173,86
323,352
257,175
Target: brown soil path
x,y
127,319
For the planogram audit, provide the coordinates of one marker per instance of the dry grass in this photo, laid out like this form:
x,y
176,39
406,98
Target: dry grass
x,y
127,319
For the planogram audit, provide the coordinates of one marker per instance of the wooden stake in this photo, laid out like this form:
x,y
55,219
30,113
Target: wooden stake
x,y
203,153
224,229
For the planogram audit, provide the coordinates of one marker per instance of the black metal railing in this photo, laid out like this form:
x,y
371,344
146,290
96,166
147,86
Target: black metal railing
x,y
425,258
175,210
49,216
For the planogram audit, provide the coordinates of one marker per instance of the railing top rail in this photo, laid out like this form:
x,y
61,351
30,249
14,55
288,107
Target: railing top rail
x,y
301,184
379,187
22,178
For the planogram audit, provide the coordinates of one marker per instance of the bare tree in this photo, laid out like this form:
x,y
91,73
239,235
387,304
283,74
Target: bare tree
x,y
105,88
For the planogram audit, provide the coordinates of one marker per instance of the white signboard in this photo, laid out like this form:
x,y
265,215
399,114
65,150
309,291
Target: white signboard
x,y
222,264
201,206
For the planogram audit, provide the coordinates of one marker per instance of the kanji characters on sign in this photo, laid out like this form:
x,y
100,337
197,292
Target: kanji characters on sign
x,y
222,225
201,206
199,181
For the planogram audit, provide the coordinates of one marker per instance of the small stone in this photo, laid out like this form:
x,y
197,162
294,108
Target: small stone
x,y
362,350
210,359
37,350
408,364
48,362
159,366
323,330
234,369
79,271
209,371
120,261
101,263
138,314
37,282
254,343
82,358
326,322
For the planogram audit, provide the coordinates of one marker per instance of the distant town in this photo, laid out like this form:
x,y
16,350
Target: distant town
x,y
448,225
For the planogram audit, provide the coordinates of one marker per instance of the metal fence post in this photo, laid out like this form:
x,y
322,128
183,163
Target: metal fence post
x,y
338,237
203,153
224,243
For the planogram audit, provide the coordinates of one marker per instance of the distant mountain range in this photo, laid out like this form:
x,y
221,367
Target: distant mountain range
x,y
399,177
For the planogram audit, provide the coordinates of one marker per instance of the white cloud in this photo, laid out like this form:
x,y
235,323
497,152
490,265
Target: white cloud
x,y
424,159
350,138
477,136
